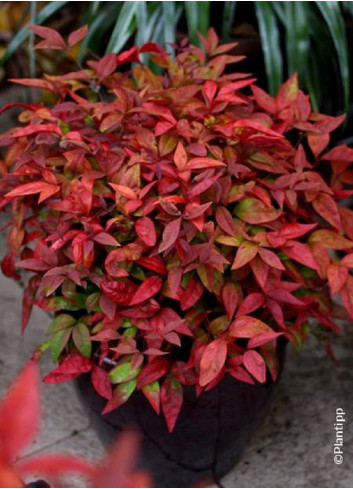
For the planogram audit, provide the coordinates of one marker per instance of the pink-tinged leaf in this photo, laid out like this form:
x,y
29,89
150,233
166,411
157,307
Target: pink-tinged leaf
x,y
52,39
71,367
264,100
241,374
327,208
20,414
106,66
45,190
295,230
180,157
101,383
146,231
105,239
212,361
203,162
282,295
77,35
209,90
330,239
336,276
248,327
245,253
119,291
154,263
288,92
171,400
154,370
146,290
257,127
191,294
271,259
301,253
170,234
251,303
339,153
254,364
152,392
254,211
230,298
347,261
262,339
224,220
318,142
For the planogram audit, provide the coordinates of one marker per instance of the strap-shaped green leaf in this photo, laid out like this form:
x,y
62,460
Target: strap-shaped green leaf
x,y
124,27
228,19
198,19
268,27
331,12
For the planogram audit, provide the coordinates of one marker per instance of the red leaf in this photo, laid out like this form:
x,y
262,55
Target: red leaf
x,y
254,211
271,259
245,253
224,220
339,153
248,327
241,374
191,294
172,401
106,66
180,157
154,370
203,162
52,39
301,253
264,100
71,367
330,239
262,339
19,414
146,231
254,363
147,289
251,303
295,230
46,190
170,234
327,208
119,291
101,383
77,35
154,263
337,276
212,360
230,298
152,393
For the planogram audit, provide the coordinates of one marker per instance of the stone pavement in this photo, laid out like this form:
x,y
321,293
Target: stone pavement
x,y
294,447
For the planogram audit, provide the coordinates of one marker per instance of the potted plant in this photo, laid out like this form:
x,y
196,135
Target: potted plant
x,y
180,228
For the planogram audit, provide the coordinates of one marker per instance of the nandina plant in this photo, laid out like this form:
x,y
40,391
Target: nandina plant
x,y
177,224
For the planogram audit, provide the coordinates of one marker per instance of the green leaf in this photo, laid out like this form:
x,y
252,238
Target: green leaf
x,y
58,342
124,27
228,20
169,23
297,36
123,391
270,42
23,33
123,372
60,322
198,19
82,340
331,12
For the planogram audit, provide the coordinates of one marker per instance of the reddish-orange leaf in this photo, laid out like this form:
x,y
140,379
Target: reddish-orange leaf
x,y
254,364
146,231
212,361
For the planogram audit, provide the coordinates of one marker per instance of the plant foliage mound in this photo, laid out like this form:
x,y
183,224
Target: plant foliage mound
x,y
176,223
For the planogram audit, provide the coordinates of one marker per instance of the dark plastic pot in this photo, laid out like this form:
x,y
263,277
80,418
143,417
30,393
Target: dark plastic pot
x,y
210,434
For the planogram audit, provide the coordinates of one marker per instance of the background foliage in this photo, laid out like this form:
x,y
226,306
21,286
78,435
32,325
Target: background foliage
x,y
307,37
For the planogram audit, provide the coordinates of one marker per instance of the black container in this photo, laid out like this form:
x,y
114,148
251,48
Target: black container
x,y
209,436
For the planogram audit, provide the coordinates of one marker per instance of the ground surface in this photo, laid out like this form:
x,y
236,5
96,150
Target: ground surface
x,y
294,447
